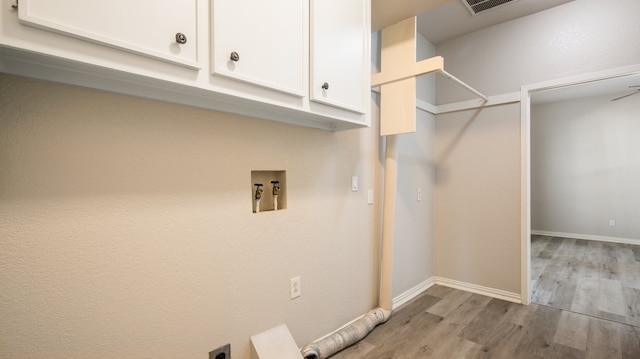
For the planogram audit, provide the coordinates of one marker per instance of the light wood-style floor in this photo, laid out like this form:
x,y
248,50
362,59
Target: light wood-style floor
x,y
600,279
449,323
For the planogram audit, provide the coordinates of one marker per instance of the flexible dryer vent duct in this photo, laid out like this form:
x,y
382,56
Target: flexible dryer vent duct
x,y
345,337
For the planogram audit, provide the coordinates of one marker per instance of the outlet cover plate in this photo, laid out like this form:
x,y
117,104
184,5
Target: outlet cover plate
x,y
223,352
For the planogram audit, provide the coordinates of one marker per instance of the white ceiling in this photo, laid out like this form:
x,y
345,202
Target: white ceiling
x,y
388,12
441,20
452,19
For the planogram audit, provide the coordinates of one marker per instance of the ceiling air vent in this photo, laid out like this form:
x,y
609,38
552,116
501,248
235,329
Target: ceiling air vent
x,y
478,6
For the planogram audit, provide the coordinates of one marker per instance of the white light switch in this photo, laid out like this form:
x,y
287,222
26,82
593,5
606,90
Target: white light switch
x,y
354,184
370,197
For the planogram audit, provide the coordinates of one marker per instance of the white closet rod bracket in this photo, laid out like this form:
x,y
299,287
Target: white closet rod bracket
x,y
431,65
463,84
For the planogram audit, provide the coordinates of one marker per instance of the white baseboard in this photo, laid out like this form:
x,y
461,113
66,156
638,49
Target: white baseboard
x,y
473,288
412,293
588,237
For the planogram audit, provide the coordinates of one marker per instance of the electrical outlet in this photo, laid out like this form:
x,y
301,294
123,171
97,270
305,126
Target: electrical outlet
x,y
294,287
224,352
612,223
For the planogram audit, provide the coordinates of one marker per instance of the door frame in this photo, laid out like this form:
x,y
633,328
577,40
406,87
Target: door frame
x,y
525,163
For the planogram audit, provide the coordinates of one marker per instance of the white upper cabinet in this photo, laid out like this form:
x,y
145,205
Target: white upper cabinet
x,y
260,42
164,30
339,53
267,59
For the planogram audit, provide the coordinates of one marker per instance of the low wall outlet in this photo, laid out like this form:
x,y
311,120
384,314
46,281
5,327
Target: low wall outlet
x,y
612,223
223,352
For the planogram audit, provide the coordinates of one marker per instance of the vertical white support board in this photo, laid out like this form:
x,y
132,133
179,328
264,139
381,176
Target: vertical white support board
x,y
398,99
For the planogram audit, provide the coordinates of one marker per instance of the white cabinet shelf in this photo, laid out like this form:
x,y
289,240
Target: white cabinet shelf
x,y
131,48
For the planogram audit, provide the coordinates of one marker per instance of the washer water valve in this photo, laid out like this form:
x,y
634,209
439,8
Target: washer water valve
x,y
276,191
258,196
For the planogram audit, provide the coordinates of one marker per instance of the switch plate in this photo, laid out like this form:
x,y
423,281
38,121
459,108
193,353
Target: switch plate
x,y
419,194
294,287
354,184
370,196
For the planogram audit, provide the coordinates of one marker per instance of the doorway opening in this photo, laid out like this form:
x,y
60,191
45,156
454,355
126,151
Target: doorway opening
x,y
542,252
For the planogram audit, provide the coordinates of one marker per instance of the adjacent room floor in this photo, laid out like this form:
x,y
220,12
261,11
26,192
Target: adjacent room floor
x,y
449,323
599,279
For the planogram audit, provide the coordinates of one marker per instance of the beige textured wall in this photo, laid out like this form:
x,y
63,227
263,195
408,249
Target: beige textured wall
x,y
585,167
478,168
477,155
126,227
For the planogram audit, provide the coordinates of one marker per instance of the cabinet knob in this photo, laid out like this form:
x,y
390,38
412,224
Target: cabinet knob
x,y
325,86
181,38
234,56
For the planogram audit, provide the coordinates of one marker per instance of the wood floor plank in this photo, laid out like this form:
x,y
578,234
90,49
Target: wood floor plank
x,y
585,276
439,291
636,252
537,244
440,337
457,347
359,350
520,314
403,322
625,254
477,331
585,300
631,298
630,273
630,342
543,290
511,331
611,298
537,338
503,341
450,302
538,266
610,268
572,330
592,259
550,248
603,339
563,295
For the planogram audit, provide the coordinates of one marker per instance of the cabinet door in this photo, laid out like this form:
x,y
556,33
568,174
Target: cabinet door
x,y
266,39
146,27
339,69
